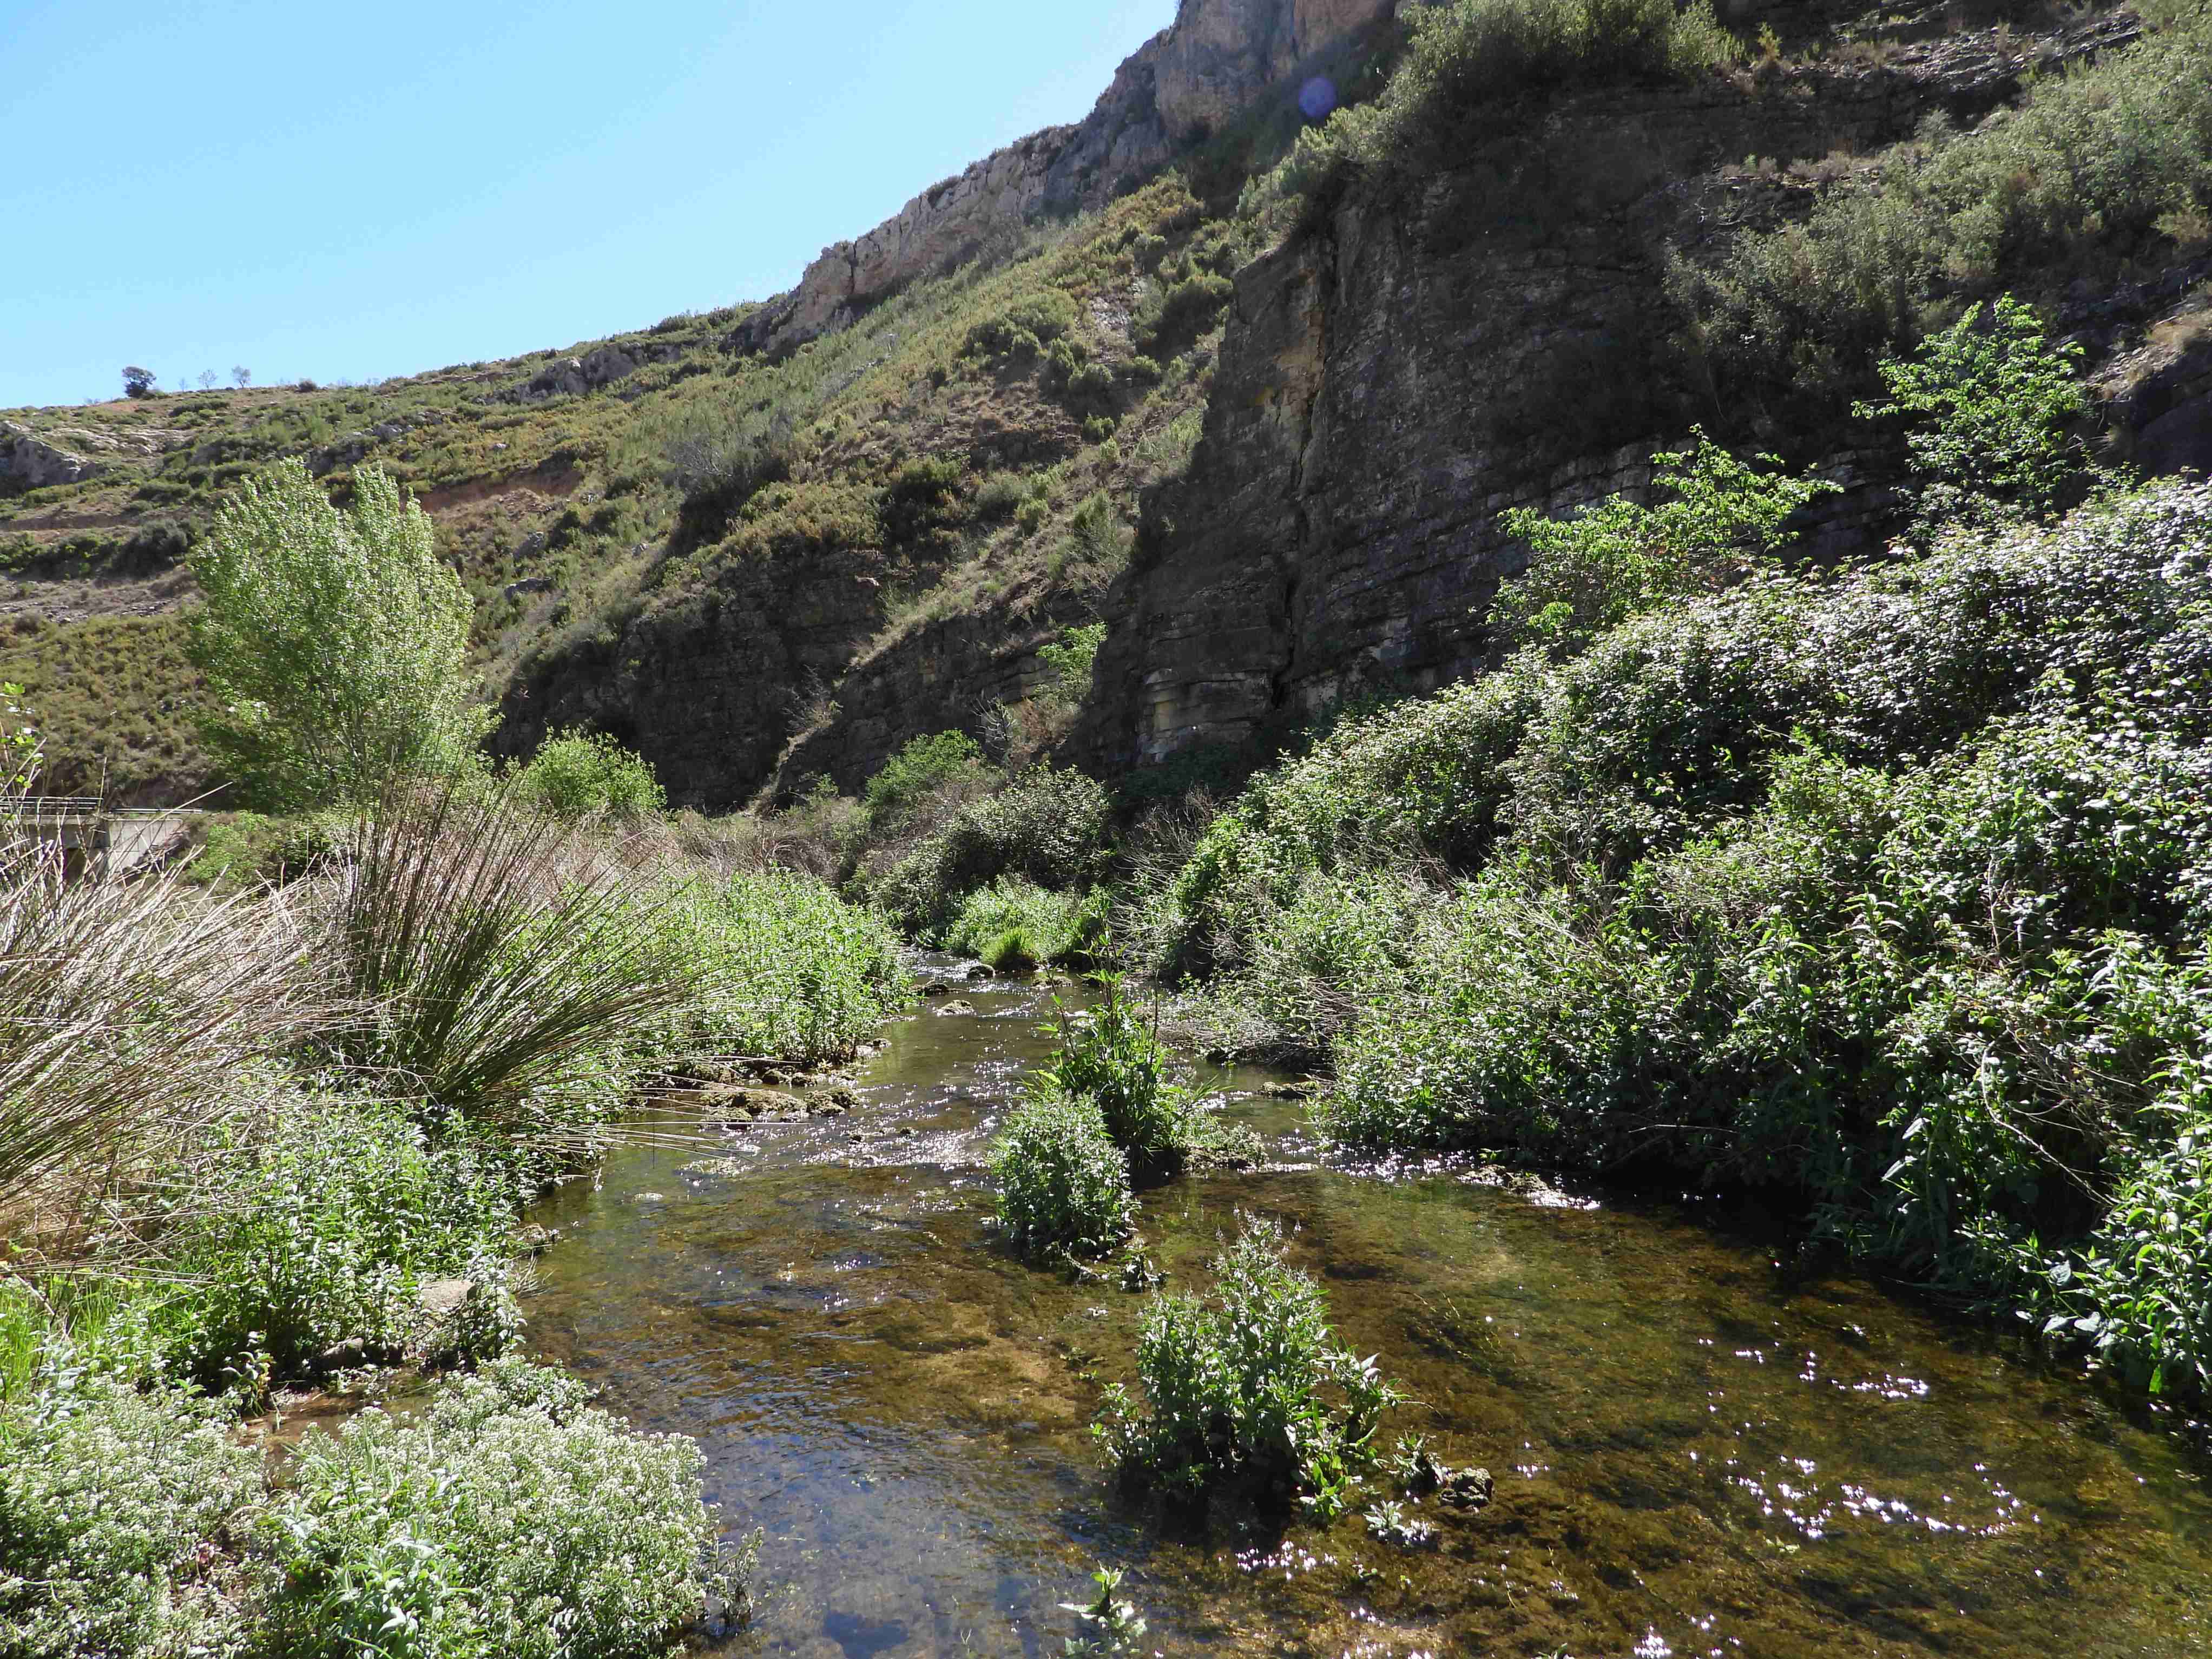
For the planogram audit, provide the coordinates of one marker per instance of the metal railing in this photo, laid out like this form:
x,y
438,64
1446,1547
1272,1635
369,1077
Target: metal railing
x,y
51,809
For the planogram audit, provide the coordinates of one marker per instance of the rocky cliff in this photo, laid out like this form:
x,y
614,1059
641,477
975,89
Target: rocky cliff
x,y
1392,382
1205,69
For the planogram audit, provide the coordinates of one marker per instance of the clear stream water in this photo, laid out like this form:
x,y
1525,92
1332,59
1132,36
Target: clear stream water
x,y
1693,1455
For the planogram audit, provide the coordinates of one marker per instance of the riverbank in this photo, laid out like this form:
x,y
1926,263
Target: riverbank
x,y
462,1005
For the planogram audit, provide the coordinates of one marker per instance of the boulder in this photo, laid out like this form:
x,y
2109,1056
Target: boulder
x,y
442,1298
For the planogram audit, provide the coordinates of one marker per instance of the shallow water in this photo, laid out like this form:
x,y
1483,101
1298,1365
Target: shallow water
x,y
1693,1456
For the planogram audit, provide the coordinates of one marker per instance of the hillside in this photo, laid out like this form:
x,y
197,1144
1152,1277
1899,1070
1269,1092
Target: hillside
x,y
1260,418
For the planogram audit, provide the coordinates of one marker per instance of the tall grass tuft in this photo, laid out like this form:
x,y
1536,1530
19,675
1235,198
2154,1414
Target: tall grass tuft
x,y
501,959
126,1009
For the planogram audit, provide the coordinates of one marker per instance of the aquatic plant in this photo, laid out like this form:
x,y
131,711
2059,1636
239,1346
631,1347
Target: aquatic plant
x,y
1249,1388
1063,1185
1111,1057
774,962
1111,1626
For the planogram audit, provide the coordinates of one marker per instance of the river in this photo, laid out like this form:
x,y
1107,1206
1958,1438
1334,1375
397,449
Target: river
x,y
1695,1453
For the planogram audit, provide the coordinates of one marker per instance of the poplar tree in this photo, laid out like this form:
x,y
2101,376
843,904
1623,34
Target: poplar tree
x,y
334,642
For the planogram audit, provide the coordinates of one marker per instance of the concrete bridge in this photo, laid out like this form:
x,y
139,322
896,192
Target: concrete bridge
x,y
91,833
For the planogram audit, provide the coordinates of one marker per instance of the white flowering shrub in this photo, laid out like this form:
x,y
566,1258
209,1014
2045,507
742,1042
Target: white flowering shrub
x,y
510,1518
113,1505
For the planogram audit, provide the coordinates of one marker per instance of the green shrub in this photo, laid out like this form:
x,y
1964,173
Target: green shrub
x,y
575,774
1000,496
923,496
1887,892
1423,777
1063,1185
1027,326
1180,312
1468,69
245,850
318,1227
1098,544
1250,1388
1051,827
1989,402
1610,562
109,1495
775,964
925,766
509,1518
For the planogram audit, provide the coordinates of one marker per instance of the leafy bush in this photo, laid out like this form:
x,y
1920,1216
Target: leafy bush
x,y
336,640
575,774
1888,893
509,1518
1990,400
1250,1388
1063,1183
775,964
2088,165
317,1226
108,1497
1614,561
1051,827
926,766
1069,658
243,851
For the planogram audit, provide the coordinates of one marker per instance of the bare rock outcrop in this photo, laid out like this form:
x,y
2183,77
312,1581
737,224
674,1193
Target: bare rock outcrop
x,y
1208,66
29,462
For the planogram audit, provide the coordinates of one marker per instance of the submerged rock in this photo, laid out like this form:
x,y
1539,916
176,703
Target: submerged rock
x,y
958,1008
715,1168
1466,1489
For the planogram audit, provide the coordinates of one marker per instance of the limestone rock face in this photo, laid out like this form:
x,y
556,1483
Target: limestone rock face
x,y
1209,65
1390,386
29,462
1220,52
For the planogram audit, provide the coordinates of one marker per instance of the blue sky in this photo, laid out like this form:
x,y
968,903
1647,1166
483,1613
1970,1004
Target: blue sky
x,y
342,193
